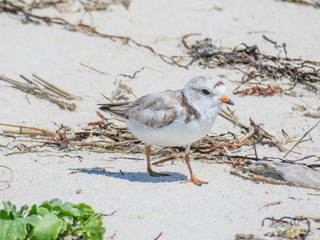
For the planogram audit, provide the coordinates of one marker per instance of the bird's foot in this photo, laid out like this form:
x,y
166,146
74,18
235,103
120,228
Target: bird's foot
x,y
195,180
156,174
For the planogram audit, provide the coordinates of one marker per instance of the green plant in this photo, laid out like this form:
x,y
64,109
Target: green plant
x,y
51,220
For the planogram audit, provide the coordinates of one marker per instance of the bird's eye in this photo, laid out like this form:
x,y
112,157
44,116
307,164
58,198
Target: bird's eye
x,y
205,91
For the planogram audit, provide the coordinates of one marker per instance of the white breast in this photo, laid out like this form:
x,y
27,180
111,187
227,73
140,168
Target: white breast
x,y
177,133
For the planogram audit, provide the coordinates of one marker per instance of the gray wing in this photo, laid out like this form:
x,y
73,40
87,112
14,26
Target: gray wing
x,y
154,110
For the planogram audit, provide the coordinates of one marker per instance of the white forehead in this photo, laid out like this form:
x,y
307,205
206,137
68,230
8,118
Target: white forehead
x,y
206,82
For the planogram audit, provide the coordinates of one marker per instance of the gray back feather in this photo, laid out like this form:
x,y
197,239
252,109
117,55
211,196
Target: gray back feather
x,y
154,110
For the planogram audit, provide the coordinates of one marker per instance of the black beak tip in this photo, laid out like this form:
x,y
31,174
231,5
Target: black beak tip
x,y
230,102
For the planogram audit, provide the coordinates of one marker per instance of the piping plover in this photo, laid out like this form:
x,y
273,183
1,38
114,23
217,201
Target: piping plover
x,y
174,117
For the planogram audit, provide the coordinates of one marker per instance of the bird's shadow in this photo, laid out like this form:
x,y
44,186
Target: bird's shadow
x,y
133,176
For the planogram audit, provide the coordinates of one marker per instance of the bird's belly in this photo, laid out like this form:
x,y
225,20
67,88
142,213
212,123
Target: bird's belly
x,y
178,133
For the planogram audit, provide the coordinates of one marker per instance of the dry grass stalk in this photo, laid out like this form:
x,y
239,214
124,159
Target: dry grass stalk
x,y
34,131
300,140
52,95
53,88
28,132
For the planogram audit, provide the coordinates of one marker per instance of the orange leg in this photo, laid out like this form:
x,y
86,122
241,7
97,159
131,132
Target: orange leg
x,y
150,171
193,179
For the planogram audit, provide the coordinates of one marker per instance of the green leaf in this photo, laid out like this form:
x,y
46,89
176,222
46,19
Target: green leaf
x,y
22,211
93,227
85,210
50,204
90,223
63,210
13,229
48,227
10,211
52,219
33,210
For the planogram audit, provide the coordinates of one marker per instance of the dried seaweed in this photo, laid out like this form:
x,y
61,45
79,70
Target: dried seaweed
x,y
108,137
261,67
43,89
103,136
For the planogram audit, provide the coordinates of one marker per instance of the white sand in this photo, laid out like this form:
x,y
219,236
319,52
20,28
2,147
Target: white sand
x,y
146,206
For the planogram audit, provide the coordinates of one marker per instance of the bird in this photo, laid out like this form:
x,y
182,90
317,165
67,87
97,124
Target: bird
x,y
173,117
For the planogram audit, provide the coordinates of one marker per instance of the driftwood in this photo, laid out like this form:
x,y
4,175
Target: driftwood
x,y
293,173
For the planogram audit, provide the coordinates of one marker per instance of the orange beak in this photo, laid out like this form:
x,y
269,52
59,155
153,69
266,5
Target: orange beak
x,y
227,100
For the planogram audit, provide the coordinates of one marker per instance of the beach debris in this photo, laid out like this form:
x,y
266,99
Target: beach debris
x,y
293,173
254,130
298,228
278,171
45,90
159,235
122,91
104,136
312,113
313,3
259,91
281,170
206,53
32,131
300,140
65,6
260,67
94,69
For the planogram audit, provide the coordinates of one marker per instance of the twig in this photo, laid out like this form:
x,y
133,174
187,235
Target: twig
x,y
42,132
94,69
258,133
54,88
160,234
304,135
30,132
35,90
270,204
233,119
129,76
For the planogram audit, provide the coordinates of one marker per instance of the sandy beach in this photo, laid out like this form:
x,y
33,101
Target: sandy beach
x,y
136,205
